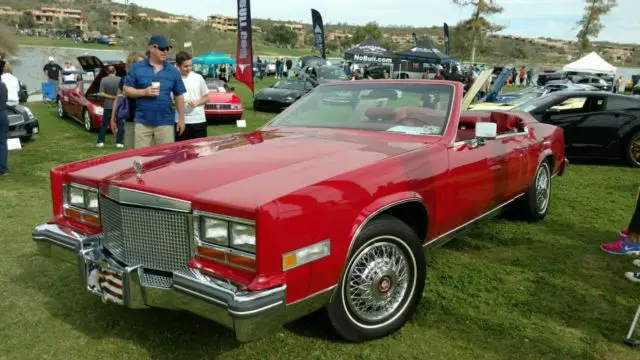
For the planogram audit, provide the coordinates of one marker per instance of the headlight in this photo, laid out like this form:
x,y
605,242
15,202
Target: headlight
x,y
226,232
82,197
29,113
98,110
243,237
289,99
215,231
81,204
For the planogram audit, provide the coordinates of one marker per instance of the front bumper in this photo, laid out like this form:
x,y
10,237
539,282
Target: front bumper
x,y
249,314
24,129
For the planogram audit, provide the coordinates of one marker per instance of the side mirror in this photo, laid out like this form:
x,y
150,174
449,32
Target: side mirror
x,y
486,130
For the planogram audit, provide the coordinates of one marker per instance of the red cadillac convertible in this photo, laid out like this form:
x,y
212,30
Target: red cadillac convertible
x,y
86,106
330,205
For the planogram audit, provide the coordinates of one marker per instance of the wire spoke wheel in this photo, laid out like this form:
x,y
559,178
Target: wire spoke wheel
x,y
543,184
635,150
378,282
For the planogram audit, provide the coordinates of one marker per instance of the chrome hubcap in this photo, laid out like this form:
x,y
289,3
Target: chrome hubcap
x,y
377,282
60,109
542,189
87,120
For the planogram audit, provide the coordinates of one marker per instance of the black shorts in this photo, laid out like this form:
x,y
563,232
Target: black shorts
x,y
634,226
192,131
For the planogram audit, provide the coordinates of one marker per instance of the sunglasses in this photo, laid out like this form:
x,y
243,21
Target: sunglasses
x,y
161,49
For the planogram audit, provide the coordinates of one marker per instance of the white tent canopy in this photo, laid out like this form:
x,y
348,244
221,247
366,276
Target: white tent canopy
x,y
591,63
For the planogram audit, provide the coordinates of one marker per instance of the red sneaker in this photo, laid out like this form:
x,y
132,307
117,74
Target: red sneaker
x,y
622,246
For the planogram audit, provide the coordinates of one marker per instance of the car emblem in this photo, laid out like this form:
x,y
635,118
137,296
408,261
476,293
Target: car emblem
x,y
269,98
137,166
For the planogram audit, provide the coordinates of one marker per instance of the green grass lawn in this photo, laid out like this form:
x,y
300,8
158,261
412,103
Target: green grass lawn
x,y
506,290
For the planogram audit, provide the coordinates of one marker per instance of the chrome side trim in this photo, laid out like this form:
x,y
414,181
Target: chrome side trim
x,y
446,237
251,312
140,198
499,137
314,294
198,213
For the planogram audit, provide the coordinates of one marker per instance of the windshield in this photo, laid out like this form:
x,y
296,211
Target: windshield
x,y
290,85
216,86
531,105
331,73
410,108
525,98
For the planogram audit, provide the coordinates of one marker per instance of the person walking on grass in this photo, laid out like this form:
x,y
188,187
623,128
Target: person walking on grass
x,y
125,127
628,242
194,99
4,127
152,82
109,88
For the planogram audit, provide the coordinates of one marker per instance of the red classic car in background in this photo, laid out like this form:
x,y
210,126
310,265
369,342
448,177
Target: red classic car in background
x,y
85,106
223,103
329,205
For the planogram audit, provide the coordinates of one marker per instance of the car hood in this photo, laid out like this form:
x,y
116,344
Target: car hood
x,y
245,171
223,98
277,93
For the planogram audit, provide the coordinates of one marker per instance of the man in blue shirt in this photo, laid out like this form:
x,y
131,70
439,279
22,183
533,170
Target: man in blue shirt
x,y
152,82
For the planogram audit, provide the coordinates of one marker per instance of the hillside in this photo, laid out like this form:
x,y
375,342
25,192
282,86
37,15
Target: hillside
x,y
495,49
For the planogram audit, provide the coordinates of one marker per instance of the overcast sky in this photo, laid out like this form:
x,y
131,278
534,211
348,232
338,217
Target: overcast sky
x,y
531,18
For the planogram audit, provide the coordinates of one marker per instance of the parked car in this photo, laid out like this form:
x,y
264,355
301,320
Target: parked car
x,y
594,81
282,94
325,206
596,124
22,123
85,106
223,102
563,85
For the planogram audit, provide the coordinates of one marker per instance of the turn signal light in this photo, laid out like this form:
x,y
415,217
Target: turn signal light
x,y
245,262
305,255
82,217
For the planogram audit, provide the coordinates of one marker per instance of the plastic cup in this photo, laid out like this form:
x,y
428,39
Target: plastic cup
x,y
156,86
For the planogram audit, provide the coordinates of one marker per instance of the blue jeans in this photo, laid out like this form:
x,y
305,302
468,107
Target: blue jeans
x,y
106,118
4,134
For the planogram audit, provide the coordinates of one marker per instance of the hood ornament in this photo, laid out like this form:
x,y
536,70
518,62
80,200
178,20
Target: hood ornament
x,y
137,166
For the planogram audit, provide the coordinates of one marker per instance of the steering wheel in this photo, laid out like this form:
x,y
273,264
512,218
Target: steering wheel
x,y
413,120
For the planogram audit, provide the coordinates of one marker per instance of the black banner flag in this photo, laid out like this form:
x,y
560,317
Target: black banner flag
x,y
446,39
318,32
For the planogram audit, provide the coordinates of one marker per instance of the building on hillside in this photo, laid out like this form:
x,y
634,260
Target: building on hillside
x,y
225,23
118,18
222,23
7,12
338,36
47,16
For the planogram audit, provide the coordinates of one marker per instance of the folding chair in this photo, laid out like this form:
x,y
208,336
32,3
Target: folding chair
x,y
629,340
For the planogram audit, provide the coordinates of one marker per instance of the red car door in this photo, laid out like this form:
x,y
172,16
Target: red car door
x,y
477,178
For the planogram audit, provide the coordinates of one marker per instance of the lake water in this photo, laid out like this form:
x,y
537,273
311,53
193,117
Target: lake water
x,y
31,59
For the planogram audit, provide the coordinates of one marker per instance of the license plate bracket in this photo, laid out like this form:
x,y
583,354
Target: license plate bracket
x,y
105,281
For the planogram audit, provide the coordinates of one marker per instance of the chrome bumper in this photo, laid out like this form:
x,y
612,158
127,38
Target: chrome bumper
x,y
249,314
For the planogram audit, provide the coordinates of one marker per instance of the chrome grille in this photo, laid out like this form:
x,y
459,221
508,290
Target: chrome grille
x,y
217,106
156,239
15,119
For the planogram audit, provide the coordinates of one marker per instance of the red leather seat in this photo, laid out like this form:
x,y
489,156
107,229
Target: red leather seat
x,y
506,122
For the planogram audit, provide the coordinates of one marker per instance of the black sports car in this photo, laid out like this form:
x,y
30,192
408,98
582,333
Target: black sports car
x,y
279,96
22,123
596,124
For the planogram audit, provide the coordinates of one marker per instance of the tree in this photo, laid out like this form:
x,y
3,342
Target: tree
x,y
478,23
27,21
590,24
8,45
282,35
362,32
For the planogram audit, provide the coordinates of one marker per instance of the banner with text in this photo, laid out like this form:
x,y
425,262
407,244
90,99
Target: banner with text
x,y
318,32
244,50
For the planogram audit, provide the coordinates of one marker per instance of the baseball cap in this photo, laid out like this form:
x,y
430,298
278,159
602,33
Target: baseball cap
x,y
51,58
159,41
